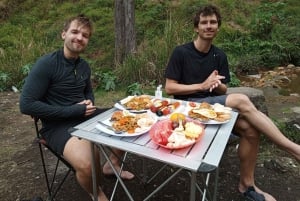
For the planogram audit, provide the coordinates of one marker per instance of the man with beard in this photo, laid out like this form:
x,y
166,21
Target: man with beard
x,y
58,90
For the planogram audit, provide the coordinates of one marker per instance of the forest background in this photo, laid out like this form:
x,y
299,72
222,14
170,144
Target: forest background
x,y
254,34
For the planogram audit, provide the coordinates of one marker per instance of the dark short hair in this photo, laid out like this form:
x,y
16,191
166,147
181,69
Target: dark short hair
x,y
207,10
81,19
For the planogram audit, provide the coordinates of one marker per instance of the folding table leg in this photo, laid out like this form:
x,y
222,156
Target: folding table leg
x,y
216,185
144,170
206,187
116,184
157,173
193,186
95,190
163,184
115,172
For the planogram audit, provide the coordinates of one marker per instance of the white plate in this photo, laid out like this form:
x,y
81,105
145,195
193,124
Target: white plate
x,y
125,134
127,99
212,121
123,107
188,108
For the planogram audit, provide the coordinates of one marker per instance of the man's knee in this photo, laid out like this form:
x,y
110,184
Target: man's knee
x,y
241,102
84,167
245,129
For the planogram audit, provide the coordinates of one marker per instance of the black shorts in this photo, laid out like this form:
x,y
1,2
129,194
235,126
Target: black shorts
x,y
58,135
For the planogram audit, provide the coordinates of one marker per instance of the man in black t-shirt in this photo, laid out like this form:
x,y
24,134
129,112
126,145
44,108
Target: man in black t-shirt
x,y
198,71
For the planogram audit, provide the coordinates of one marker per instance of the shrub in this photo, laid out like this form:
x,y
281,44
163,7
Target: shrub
x,y
289,130
134,89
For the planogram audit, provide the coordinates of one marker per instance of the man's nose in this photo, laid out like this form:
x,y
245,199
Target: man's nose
x,y
79,36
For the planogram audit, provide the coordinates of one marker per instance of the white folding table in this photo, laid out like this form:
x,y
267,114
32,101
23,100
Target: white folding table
x,y
203,157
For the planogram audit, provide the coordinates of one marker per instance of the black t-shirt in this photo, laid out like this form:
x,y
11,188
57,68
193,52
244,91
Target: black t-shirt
x,y
189,66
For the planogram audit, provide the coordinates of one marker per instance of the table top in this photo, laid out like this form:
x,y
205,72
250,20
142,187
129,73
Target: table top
x,y
203,156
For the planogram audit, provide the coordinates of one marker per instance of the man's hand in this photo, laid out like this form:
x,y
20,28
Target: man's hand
x,y
213,81
90,108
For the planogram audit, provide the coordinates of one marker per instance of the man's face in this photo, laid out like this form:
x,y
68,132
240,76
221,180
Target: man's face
x,y
208,27
75,39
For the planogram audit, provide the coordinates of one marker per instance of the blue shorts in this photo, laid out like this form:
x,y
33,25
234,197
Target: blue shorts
x,y
211,99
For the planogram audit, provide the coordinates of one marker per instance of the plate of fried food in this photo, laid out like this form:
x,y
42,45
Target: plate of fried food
x,y
126,124
137,104
176,132
209,114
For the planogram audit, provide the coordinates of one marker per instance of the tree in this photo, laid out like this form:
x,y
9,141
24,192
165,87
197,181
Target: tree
x,y
125,36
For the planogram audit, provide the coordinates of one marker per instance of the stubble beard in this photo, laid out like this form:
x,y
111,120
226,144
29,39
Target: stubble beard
x,y
75,48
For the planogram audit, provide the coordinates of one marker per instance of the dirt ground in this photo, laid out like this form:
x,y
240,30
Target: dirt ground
x,y
21,176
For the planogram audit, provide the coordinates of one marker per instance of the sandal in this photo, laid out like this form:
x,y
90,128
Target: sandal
x,y
252,195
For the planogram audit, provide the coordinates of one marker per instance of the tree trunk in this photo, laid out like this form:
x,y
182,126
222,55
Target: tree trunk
x,y
130,36
125,37
119,31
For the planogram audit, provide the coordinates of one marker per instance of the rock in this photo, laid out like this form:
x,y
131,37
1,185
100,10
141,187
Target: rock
x,y
296,115
291,66
255,95
296,110
295,94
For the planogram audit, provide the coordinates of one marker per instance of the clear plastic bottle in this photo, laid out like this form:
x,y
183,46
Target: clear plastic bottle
x,y
158,92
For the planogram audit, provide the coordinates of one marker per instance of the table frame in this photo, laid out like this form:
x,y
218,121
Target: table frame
x,y
203,157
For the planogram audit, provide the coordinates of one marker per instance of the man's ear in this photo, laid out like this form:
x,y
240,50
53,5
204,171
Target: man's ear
x,y
63,35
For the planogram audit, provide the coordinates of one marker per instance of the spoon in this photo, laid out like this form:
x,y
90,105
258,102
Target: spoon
x,y
110,127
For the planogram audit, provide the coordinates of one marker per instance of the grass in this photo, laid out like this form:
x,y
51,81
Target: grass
x,y
251,39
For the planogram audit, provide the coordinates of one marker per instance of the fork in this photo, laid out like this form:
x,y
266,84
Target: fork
x,y
110,127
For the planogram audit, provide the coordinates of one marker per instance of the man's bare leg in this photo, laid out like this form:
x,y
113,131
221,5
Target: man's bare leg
x,y
78,154
247,151
262,123
107,170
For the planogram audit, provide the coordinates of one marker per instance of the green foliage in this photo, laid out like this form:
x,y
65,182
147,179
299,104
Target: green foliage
x,y
234,82
135,89
4,79
265,19
289,130
108,80
150,17
26,69
254,34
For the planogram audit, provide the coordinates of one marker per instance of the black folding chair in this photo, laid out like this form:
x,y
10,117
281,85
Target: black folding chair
x,y
54,184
